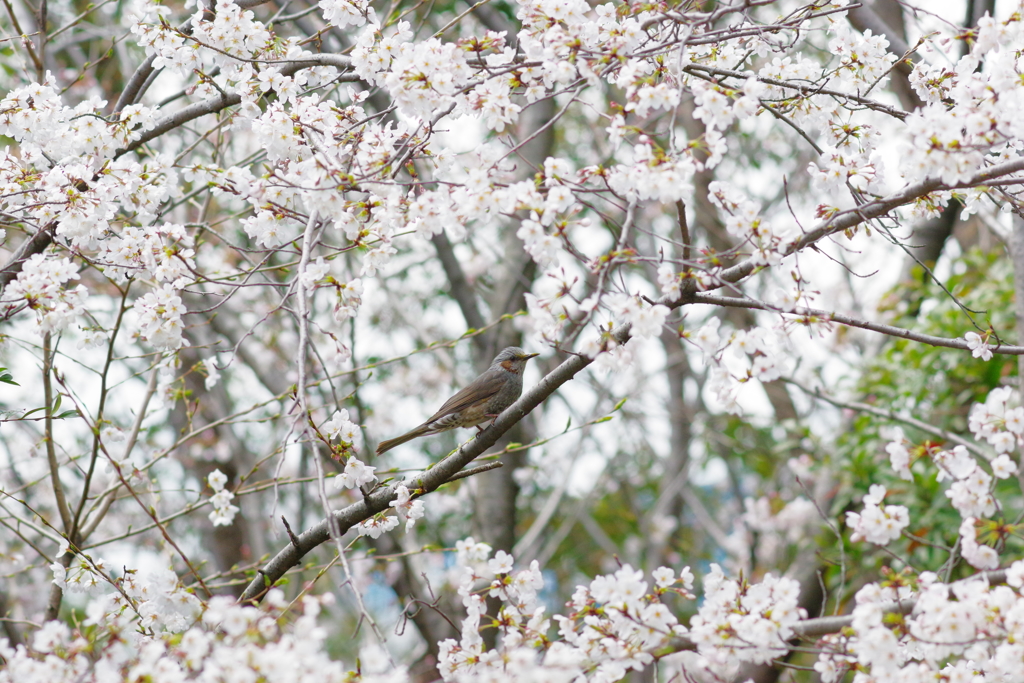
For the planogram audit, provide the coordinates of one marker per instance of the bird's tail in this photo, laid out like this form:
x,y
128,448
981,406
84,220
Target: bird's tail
x,y
399,440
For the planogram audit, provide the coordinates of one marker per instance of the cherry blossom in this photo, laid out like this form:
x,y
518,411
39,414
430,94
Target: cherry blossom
x,y
310,186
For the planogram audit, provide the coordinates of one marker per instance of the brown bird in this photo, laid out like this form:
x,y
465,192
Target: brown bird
x,y
496,389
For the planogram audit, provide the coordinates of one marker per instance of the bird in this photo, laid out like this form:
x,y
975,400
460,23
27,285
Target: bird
x,y
495,389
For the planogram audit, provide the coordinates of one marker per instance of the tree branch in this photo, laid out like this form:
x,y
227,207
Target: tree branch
x,y
895,417
424,482
221,102
133,88
30,247
828,316
873,209
441,473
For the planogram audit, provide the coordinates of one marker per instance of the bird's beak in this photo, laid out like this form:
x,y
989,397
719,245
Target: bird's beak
x,y
528,356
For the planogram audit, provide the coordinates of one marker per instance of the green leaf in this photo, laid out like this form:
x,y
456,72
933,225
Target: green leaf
x,y
67,413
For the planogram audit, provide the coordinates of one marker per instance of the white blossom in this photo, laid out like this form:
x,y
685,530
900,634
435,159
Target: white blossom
x,y
355,475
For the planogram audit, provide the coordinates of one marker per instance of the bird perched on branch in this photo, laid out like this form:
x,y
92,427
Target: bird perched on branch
x,y
496,389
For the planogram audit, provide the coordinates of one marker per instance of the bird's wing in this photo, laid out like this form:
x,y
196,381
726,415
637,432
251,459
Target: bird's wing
x,y
483,388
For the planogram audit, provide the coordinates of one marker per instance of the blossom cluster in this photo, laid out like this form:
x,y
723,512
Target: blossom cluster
x,y
951,142
159,318
215,39
614,624
979,346
851,160
1000,424
743,221
355,475
741,622
223,510
960,631
128,637
163,253
996,421
340,427
876,524
374,183
36,117
755,354
41,287
972,491
82,575
407,508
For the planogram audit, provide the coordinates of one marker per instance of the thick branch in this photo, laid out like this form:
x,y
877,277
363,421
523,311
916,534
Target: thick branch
x,y
137,82
51,453
873,209
30,247
422,483
221,102
133,88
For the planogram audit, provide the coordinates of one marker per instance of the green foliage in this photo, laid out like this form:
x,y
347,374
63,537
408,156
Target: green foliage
x,y
7,378
938,384
935,385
